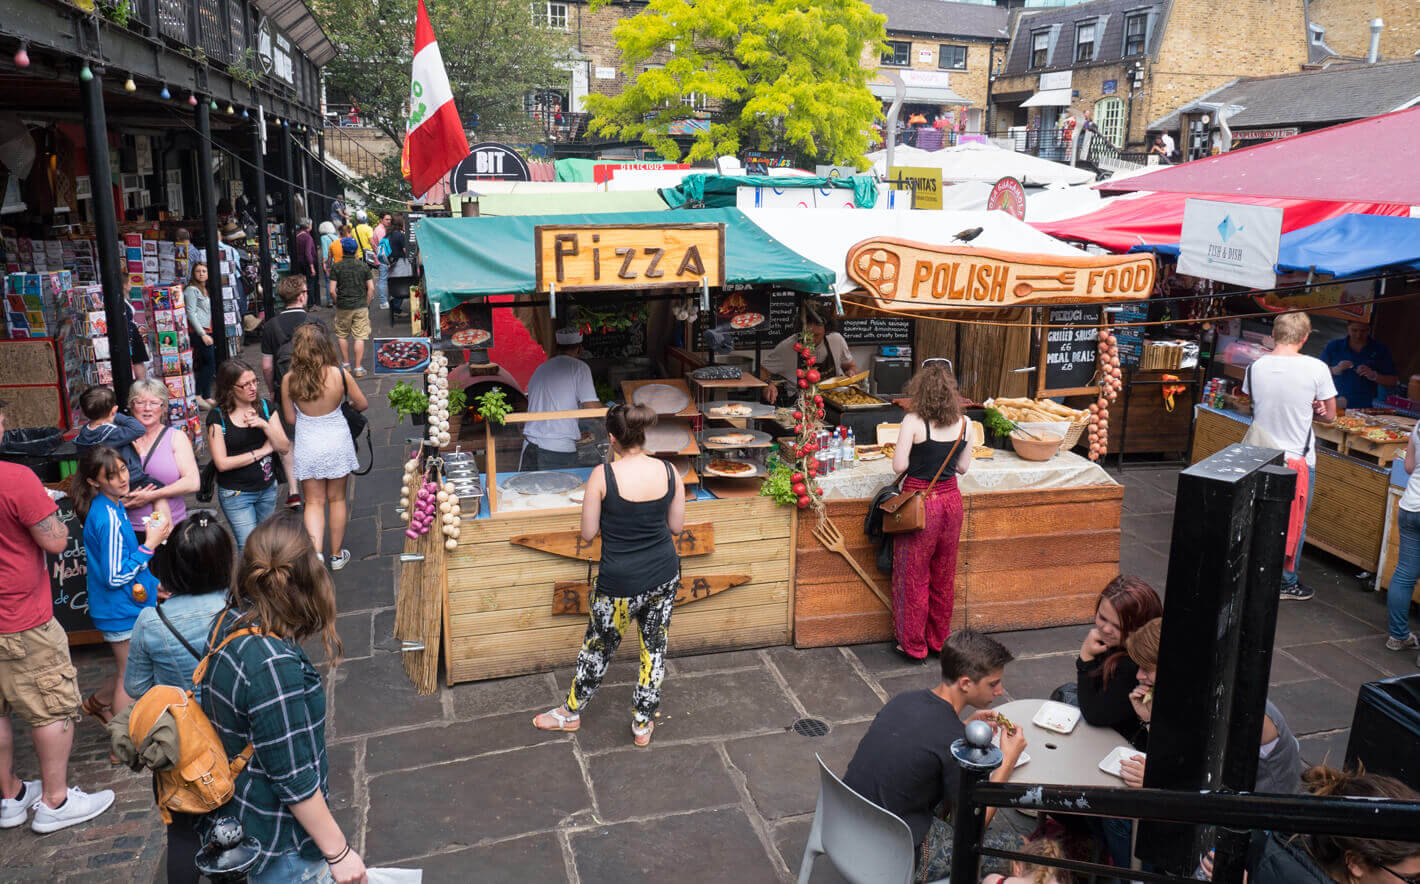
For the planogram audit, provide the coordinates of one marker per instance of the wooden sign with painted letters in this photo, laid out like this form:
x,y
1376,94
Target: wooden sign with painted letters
x,y
693,540
903,275
599,257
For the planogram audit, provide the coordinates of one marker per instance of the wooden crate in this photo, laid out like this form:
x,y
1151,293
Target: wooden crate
x,y
1377,452
1027,559
499,605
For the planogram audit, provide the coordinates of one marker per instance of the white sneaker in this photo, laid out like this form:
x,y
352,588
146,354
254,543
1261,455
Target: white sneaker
x,y
14,812
340,561
1408,643
78,807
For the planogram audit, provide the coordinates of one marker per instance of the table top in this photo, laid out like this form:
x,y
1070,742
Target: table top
x,y
1004,471
1058,759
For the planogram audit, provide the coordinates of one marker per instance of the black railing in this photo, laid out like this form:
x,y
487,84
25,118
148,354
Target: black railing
x,y
1293,814
1103,155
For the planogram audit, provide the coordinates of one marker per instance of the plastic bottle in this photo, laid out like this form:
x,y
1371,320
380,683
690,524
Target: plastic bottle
x,y
851,449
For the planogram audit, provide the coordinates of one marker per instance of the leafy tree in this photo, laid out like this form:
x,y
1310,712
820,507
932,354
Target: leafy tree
x,y
493,53
784,75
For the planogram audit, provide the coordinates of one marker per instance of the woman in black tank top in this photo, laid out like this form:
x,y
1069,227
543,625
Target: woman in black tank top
x,y
637,507
931,445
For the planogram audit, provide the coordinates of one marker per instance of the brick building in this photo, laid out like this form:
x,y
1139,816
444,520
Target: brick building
x,y
1343,27
945,53
1127,62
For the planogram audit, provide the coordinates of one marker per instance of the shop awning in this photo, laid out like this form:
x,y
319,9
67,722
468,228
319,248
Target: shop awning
x,y
468,258
1049,98
720,191
1158,218
1361,160
503,204
938,95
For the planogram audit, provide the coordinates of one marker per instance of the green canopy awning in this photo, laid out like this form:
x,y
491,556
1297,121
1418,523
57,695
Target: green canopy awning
x,y
468,258
719,191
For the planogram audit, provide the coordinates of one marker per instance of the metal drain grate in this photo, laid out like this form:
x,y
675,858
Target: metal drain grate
x,y
810,727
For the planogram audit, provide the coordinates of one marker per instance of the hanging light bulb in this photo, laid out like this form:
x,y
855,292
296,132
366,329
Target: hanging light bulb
x,y
22,55
129,85
192,99
245,115
85,74
165,94
230,110
212,104
285,124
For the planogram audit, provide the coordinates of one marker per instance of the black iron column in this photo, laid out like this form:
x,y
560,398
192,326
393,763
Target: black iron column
x,y
91,92
207,199
977,758
263,239
322,177
287,172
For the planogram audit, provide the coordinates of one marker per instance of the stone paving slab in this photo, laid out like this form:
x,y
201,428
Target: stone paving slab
x,y
781,771
826,682
515,861
667,779
711,846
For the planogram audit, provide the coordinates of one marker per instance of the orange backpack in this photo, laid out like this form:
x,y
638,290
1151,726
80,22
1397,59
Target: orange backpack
x,y
203,779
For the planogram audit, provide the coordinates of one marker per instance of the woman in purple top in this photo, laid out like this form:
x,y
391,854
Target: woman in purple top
x,y
173,464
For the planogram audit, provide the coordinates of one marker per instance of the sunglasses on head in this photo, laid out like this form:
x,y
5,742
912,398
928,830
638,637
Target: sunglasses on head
x,y
941,359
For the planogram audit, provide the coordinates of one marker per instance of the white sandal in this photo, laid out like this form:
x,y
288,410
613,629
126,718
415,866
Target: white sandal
x,y
641,734
559,721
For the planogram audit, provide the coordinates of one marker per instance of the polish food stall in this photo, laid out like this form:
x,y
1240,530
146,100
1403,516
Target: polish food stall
x,y
503,589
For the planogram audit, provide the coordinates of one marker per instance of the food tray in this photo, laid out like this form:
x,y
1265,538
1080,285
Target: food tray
x,y
1057,717
760,439
668,437
541,482
758,470
1110,764
830,399
756,409
661,398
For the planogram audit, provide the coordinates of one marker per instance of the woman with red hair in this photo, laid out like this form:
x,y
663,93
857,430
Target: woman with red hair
x,y
1104,674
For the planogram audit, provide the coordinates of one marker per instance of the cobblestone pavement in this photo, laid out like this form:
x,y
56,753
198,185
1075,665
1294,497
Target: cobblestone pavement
x,y
461,785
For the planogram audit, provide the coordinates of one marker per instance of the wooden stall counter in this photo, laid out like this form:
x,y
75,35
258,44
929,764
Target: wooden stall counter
x,y
1028,559
501,614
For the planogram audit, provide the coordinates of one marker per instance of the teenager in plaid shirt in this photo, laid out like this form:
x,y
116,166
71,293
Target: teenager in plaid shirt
x,y
263,690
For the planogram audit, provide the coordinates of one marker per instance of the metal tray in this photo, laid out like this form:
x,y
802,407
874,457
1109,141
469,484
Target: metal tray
x,y
706,471
865,406
761,439
541,482
757,409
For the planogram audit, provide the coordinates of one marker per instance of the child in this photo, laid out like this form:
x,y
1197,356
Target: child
x,y
107,427
1029,873
119,583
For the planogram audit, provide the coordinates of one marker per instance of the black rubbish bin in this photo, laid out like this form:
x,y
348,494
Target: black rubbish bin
x,y
1385,731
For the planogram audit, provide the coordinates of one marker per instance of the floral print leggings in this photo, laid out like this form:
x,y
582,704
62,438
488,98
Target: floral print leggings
x,y
609,619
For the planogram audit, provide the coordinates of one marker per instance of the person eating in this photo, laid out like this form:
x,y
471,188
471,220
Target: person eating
x,y
830,352
1104,673
1360,365
562,383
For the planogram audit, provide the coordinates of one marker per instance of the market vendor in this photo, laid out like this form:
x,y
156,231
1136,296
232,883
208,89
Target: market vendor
x,y
562,383
1360,365
831,353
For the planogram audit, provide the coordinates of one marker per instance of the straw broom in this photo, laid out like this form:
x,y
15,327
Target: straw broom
x,y
419,611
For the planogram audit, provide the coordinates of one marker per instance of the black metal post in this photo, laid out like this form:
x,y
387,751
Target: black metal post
x,y
106,230
207,198
977,758
287,165
227,853
263,240
1217,511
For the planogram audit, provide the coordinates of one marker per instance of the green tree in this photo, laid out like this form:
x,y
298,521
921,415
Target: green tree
x,y
782,75
492,51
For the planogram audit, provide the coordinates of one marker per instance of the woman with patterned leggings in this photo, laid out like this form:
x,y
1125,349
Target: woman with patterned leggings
x,y
638,505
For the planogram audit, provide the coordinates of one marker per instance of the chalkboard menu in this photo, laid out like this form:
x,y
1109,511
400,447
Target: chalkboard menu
x,y
1069,354
68,577
1130,339
781,312
616,343
877,330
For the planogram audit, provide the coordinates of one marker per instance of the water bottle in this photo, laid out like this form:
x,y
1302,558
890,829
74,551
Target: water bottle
x,y
851,450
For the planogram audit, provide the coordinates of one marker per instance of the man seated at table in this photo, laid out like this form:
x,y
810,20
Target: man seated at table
x,y
1360,365
904,762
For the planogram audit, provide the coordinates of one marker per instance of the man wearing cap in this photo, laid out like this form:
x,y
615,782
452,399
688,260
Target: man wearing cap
x,y
352,288
562,383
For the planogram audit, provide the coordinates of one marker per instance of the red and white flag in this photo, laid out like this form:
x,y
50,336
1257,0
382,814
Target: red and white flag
x,y
434,140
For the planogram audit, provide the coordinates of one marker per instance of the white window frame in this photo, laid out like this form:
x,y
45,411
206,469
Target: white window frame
x,y
551,14
1094,44
1039,42
1109,119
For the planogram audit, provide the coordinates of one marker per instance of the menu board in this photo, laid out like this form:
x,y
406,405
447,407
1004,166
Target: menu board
x,y
1130,338
877,330
616,343
780,309
1069,354
69,576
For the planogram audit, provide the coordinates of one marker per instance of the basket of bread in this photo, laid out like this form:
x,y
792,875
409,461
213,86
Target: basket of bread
x,y
1028,411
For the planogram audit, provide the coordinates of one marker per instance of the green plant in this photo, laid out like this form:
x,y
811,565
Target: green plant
x,y
779,484
458,401
244,69
406,400
997,423
118,11
493,406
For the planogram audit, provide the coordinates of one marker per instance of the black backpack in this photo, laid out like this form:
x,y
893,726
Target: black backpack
x,y
282,363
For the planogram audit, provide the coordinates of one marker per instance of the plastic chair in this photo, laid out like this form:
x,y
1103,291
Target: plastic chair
x,y
868,845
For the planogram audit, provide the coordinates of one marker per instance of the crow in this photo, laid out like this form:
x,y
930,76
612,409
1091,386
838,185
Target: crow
x,y
968,235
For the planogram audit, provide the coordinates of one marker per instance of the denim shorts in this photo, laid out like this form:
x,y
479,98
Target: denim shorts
x,y
291,867
118,636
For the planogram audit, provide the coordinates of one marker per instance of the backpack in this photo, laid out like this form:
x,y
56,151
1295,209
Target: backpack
x,y
203,779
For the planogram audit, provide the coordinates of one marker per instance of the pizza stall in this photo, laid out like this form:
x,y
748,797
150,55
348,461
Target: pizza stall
x,y
503,588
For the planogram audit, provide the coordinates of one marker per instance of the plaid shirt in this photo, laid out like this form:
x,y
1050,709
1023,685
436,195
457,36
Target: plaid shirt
x,y
264,691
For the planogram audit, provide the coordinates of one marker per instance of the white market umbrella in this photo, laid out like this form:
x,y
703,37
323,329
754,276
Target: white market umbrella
x,y
983,162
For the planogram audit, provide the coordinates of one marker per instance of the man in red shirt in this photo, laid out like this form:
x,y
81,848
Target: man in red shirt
x,y
37,679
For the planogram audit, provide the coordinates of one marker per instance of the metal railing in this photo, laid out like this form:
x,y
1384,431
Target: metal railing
x,y
1103,155
355,156
1293,814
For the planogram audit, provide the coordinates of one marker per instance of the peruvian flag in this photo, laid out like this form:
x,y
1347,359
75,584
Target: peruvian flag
x,y
434,141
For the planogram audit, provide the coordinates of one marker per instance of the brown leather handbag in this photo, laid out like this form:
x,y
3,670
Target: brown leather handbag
x,y
906,511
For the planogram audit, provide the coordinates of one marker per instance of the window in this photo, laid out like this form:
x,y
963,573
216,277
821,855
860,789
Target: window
x,y
1085,42
1136,27
951,58
899,53
1039,49
1109,118
549,15
693,100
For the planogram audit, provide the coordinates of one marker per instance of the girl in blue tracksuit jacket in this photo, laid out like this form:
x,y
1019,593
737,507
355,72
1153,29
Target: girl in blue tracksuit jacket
x,y
119,583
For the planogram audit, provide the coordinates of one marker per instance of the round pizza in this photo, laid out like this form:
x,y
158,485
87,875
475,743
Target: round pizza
x,y
402,354
730,467
732,410
747,320
731,439
471,337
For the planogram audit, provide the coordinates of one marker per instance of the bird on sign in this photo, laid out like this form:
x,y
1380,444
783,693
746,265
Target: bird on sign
x,y
968,235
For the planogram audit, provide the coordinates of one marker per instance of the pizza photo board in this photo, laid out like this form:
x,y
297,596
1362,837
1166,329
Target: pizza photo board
x,y
401,355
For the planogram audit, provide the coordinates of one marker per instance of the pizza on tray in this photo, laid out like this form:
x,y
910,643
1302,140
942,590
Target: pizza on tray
x,y
731,439
730,467
732,410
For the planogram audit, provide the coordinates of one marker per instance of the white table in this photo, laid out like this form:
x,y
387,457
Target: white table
x,y
1003,471
1058,759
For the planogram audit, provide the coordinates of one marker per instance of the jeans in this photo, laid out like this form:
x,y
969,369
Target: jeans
x,y
1289,577
290,868
382,287
1407,569
246,509
535,458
